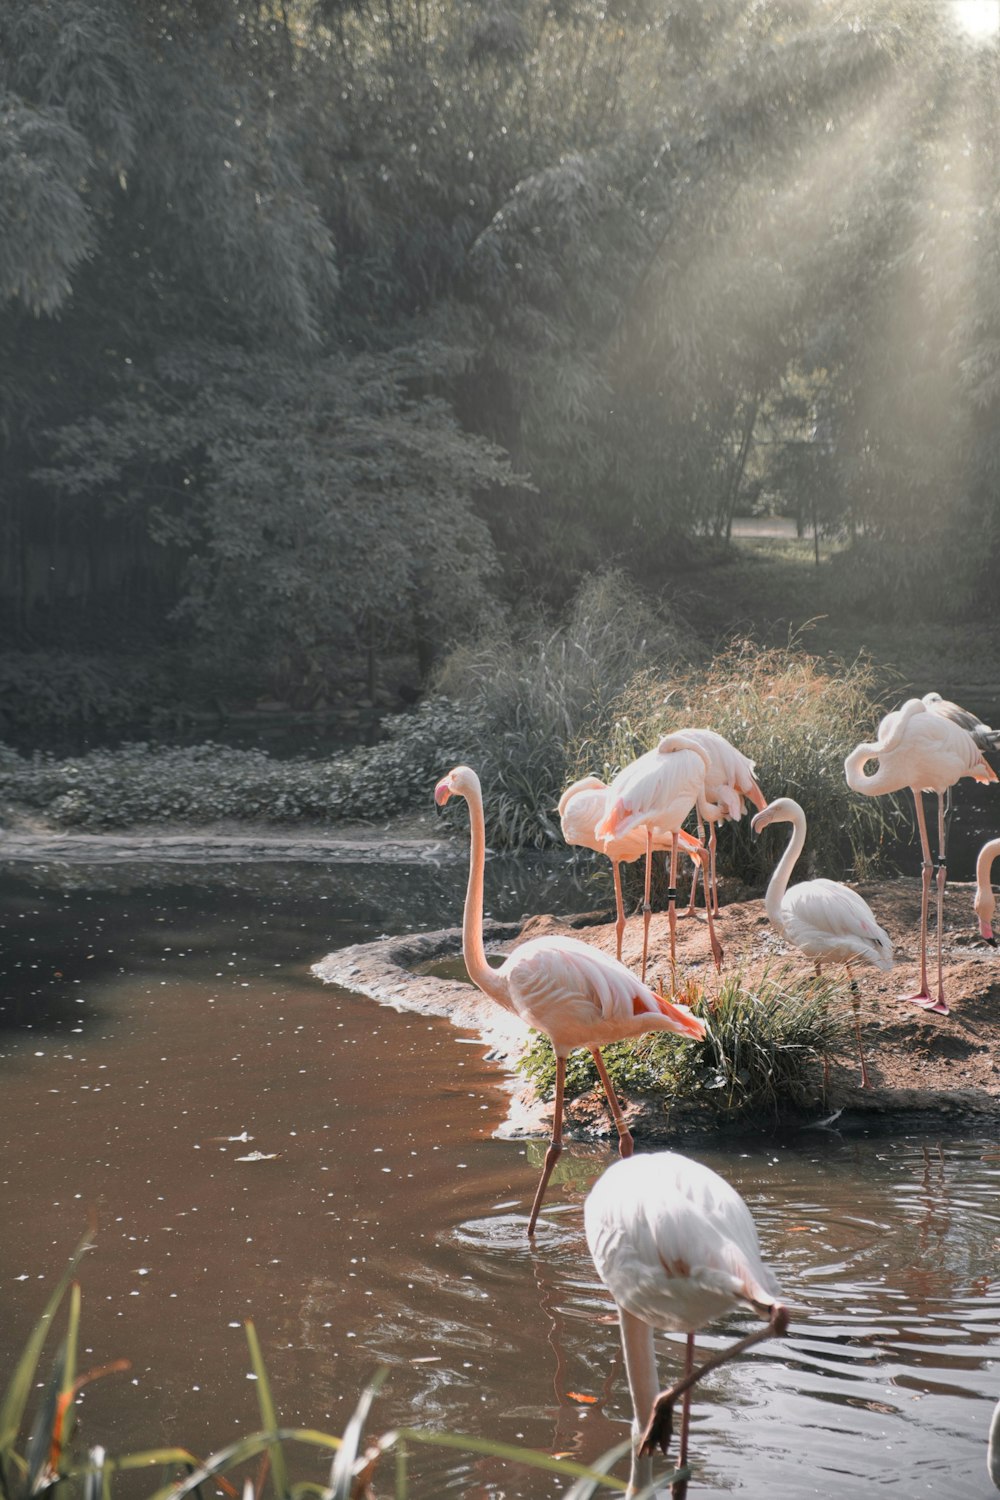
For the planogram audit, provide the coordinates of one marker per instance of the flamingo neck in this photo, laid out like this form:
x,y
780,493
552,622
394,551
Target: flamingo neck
x,y
480,972
644,1387
985,903
881,781
778,884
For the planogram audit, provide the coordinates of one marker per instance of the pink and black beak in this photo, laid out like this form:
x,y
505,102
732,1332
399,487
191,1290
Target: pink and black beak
x,y
442,792
986,933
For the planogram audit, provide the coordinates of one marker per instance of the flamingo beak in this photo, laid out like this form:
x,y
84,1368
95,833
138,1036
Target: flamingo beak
x,y
442,792
986,933
757,822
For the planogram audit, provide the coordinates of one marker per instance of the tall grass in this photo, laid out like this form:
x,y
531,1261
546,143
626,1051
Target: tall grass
x,y
534,692
796,717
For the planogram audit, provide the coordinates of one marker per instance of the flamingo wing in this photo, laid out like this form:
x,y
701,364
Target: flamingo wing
x,y
832,923
582,997
674,1242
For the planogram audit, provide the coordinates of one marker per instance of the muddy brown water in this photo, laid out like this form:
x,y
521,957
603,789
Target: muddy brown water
x,y
258,1146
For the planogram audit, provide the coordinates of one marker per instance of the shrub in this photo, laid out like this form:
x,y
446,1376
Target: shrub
x,y
47,692
531,695
795,717
757,1062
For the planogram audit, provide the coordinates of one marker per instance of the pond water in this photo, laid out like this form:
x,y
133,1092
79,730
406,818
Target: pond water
x,y
256,1145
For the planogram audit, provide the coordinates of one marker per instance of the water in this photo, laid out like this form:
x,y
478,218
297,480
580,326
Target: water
x,y
256,1145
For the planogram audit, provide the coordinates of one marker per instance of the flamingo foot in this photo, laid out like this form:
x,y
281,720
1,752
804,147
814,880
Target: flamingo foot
x,y
660,1427
940,1006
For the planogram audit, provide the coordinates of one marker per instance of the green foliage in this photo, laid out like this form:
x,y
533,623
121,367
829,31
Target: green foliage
x,y
142,784
51,691
795,717
760,1058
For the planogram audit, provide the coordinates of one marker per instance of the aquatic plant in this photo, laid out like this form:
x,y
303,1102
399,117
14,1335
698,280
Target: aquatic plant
x,y
761,1057
259,1462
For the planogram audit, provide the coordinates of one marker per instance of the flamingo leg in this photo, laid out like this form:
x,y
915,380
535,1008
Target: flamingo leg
x,y
555,1145
646,907
857,1024
625,1142
660,1425
672,911
695,873
942,874
716,945
619,903
715,878
923,995
678,1490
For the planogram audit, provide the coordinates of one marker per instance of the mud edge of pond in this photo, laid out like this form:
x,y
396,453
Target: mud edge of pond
x,y
389,971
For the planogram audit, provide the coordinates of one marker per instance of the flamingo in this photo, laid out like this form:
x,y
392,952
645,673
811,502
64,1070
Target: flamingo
x,y
729,780
577,995
993,1450
927,752
985,901
985,737
655,793
581,807
828,921
677,1247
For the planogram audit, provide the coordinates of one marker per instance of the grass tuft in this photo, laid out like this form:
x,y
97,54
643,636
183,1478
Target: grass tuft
x,y
761,1057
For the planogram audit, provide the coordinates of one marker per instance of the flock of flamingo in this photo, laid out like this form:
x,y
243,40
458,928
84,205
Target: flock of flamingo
x,y
673,1242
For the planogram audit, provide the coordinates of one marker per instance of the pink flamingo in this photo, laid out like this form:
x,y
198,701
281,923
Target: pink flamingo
x,y
826,920
985,902
577,995
926,752
581,807
677,1247
729,780
655,793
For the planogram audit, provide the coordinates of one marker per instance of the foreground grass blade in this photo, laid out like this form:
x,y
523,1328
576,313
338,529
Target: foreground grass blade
x,y
279,1472
216,1465
342,1469
533,1458
16,1395
586,1488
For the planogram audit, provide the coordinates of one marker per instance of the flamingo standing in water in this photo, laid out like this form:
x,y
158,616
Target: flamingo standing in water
x,y
927,752
985,902
828,921
655,794
577,995
581,807
677,1247
729,780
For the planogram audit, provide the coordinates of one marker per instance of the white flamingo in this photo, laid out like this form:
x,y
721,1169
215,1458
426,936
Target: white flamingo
x,y
581,807
824,919
654,794
985,737
985,902
677,1248
577,995
730,781
925,751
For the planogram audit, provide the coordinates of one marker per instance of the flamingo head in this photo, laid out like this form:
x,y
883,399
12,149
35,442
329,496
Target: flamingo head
x,y
778,811
461,781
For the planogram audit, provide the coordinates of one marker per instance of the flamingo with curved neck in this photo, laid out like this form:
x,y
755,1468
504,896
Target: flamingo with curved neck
x,y
577,995
677,1247
730,782
985,902
655,793
824,919
926,752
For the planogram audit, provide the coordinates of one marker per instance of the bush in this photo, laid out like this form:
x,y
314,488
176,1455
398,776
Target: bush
x,y
757,1062
796,718
46,692
532,695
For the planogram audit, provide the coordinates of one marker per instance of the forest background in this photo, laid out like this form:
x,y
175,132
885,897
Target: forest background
x,y
337,333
